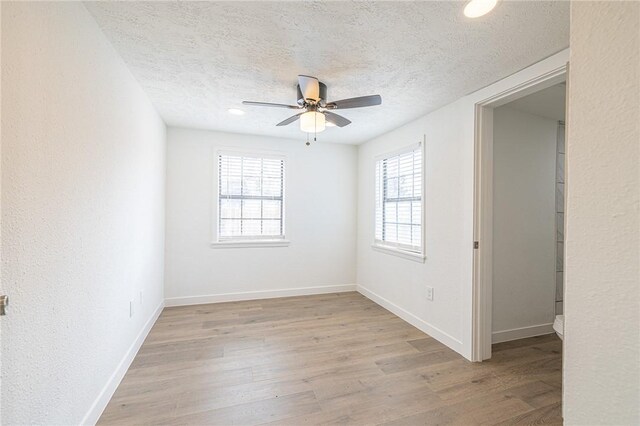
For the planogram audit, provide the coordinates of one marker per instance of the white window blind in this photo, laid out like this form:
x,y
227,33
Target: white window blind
x,y
398,221
250,197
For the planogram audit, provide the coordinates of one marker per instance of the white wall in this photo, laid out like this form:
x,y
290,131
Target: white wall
x,y
320,221
602,294
83,213
403,281
1,282
524,264
399,283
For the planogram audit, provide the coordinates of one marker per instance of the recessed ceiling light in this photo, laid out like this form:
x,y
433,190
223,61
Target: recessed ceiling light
x,y
235,111
477,8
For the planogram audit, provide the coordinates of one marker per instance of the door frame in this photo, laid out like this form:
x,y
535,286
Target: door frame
x,y
483,205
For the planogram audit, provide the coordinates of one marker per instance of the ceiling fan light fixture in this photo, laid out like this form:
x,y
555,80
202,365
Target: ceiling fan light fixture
x,y
312,122
478,8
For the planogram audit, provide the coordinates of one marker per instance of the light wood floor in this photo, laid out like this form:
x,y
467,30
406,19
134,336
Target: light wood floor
x,y
327,359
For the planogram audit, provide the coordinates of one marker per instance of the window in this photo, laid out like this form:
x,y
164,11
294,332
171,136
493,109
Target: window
x,y
398,221
250,197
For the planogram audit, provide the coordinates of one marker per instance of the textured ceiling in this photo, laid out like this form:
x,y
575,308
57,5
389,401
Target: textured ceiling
x,y
197,59
549,103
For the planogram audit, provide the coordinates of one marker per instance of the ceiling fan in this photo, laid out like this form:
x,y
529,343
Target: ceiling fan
x,y
315,112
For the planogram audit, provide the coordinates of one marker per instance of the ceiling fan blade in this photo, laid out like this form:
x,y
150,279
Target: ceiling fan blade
x,y
269,104
310,87
336,119
362,101
290,120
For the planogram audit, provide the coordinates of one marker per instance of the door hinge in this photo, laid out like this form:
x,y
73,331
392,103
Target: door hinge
x,y
4,302
476,244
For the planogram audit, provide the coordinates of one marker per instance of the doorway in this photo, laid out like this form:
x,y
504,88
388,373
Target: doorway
x,y
528,219
513,313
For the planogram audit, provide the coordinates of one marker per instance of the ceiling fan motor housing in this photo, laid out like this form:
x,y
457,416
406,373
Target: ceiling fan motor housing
x,y
323,94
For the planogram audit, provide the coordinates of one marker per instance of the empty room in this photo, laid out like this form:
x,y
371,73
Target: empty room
x,y
320,212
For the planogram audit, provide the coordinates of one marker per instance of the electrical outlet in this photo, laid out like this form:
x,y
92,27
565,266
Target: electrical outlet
x,y
130,308
429,293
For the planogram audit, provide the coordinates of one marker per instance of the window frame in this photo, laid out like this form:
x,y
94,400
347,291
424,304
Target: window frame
x,y
395,248
247,241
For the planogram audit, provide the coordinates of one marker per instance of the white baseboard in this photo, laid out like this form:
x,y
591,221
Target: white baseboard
x,y
254,295
100,403
521,333
418,323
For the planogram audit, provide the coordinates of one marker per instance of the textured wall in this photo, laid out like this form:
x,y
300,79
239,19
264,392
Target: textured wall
x,y
82,211
602,294
320,198
524,263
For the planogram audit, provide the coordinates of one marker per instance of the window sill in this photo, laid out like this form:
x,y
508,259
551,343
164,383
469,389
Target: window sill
x,y
416,257
250,244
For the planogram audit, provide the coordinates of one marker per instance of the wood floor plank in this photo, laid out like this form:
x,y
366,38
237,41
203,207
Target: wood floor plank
x,y
484,409
411,361
191,403
326,359
536,394
547,415
427,344
252,413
